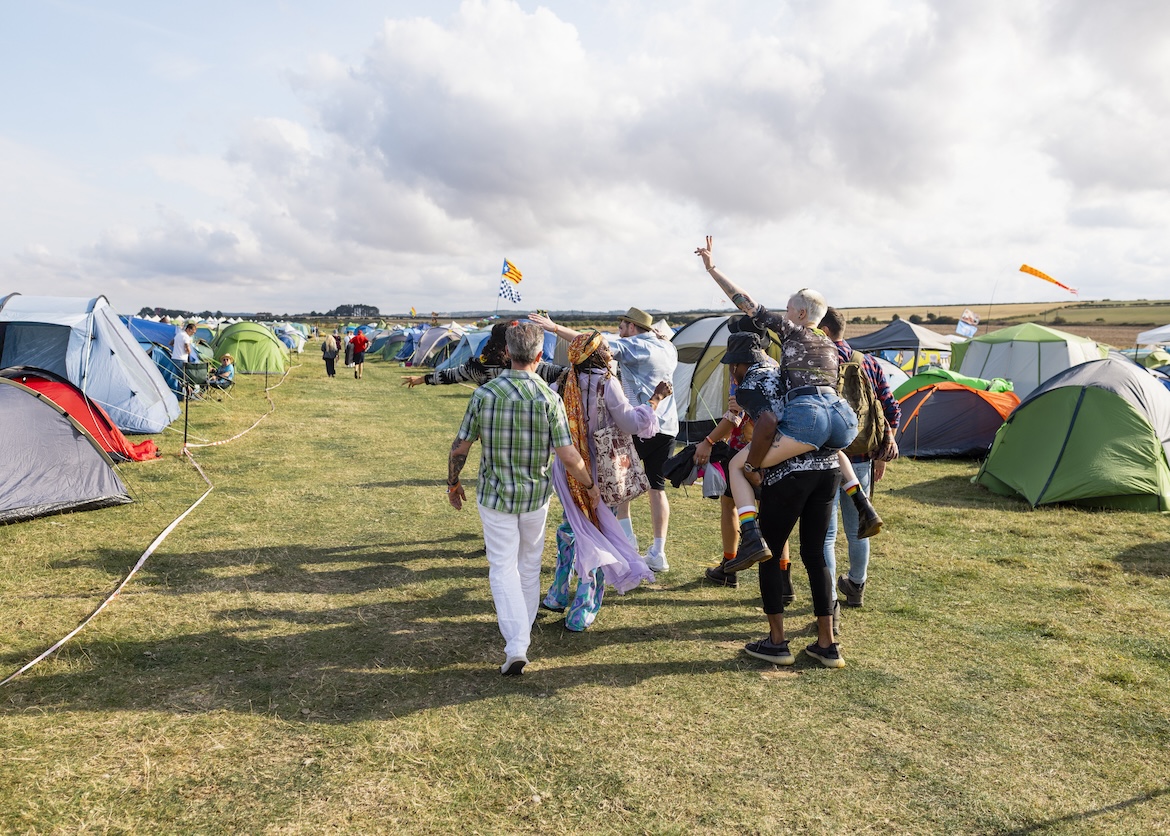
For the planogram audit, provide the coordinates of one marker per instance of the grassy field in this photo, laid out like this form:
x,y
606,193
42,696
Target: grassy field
x,y
314,650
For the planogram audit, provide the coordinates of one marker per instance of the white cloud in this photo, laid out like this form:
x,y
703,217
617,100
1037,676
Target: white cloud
x,y
886,152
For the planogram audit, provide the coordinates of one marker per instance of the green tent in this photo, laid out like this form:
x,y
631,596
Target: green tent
x,y
935,375
1096,435
1027,355
255,349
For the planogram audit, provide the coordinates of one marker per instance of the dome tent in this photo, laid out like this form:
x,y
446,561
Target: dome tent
x,y
255,349
1097,435
51,464
943,418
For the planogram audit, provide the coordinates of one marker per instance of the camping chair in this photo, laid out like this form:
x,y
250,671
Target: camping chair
x,y
221,387
194,377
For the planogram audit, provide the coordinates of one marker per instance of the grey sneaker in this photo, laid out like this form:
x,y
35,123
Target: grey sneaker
x,y
777,654
829,656
854,592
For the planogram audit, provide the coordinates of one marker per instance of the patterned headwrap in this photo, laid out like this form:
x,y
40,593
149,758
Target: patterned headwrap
x,y
582,347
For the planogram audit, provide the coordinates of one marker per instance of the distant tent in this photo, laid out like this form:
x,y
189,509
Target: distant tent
x,y
84,341
254,348
85,412
1027,355
149,333
1150,358
929,376
946,419
436,344
395,341
909,346
895,377
51,464
1096,434
470,345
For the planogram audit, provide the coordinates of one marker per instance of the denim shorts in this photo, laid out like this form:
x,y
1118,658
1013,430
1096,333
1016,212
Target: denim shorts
x,y
819,420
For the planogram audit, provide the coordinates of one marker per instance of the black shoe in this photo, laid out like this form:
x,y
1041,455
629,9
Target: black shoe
x,y
545,606
854,592
752,548
829,656
787,594
868,521
715,574
777,654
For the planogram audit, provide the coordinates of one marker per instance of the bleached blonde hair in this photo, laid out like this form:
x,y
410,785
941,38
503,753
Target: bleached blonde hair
x,y
811,301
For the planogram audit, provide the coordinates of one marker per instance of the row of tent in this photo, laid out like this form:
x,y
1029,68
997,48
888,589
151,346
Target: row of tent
x,y
74,377
1058,417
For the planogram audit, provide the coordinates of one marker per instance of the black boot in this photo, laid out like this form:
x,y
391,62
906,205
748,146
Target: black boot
x,y
787,594
868,521
752,548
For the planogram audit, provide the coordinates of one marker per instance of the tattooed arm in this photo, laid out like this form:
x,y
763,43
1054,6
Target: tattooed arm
x,y
455,462
735,293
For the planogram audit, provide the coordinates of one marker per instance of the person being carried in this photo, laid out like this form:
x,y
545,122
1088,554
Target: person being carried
x,y
811,415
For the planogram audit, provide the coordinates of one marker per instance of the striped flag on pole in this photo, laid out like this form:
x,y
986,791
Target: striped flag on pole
x,y
511,273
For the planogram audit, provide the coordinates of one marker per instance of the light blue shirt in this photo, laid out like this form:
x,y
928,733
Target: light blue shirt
x,y
645,361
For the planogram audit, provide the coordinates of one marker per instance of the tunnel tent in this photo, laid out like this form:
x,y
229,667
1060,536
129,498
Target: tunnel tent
x,y
84,341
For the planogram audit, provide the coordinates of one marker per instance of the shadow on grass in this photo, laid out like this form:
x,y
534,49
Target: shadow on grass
x,y
298,567
1147,559
350,664
955,492
1049,824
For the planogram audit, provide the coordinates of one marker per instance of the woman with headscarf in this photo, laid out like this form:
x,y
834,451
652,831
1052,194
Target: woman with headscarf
x,y
591,544
479,370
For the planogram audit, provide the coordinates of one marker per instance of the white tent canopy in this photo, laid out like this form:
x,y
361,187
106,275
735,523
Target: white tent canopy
x,y
1156,336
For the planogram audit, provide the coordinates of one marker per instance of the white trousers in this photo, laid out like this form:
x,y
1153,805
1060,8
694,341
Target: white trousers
x,y
514,544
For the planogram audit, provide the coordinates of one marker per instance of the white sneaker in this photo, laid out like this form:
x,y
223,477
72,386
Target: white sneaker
x,y
513,666
657,562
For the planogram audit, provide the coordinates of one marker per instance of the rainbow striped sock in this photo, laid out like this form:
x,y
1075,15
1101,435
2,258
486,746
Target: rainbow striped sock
x,y
746,517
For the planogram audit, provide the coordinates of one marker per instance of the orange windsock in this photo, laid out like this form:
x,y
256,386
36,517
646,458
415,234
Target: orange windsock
x,y
1024,268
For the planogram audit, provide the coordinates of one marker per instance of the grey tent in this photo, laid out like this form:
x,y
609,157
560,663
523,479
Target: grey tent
x,y
903,343
85,342
49,464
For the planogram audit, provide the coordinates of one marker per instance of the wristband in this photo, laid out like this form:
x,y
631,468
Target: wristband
x,y
712,267
451,488
709,441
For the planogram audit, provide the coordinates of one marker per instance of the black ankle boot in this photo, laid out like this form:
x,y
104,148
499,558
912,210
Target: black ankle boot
x,y
787,594
868,521
752,548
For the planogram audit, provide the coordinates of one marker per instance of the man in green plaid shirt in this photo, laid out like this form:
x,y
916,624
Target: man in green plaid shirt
x,y
521,422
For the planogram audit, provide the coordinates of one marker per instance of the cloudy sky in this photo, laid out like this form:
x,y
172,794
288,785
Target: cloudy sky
x,y
290,156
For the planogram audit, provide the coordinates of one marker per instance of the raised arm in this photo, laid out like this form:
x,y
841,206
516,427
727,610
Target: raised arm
x,y
548,325
734,292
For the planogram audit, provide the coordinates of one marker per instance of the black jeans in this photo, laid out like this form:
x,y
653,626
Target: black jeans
x,y
809,496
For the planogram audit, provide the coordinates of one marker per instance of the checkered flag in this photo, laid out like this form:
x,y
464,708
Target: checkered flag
x,y
508,291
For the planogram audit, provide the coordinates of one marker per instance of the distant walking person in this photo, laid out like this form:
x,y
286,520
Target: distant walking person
x,y
521,423
329,354
359,344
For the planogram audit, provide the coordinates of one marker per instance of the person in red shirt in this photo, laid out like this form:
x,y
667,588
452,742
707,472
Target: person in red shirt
x,y
360,344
